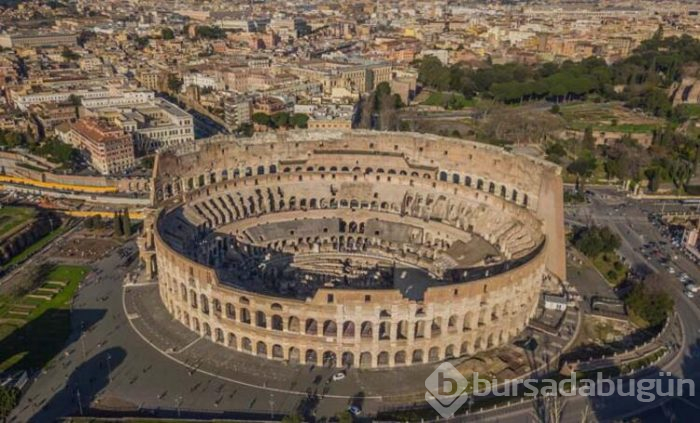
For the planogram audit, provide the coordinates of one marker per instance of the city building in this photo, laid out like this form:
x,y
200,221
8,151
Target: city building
x,y
237,111
108,148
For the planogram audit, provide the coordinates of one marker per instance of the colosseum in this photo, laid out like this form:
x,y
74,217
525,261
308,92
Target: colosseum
x,y
353,248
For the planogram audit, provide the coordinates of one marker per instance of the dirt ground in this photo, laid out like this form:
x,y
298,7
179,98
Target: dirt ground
x,y
86,247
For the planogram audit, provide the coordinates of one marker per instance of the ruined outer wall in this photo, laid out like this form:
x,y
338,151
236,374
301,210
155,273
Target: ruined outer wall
x,y
363,328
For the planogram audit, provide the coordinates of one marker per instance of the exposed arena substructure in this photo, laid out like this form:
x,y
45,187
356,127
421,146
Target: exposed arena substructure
x,y
353,248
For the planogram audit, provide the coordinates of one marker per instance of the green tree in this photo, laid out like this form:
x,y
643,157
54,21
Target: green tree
x,y
9,398
174,83
650,303
261,118
141,42
595,240
433,73
344,417
117,225
280,120
583,168
299,120
246,129
69,54
210,32
653,177
126,223
292,418
167,33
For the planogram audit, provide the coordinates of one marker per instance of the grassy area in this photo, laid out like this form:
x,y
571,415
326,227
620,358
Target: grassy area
x,y
453,101
629,128
611,268
31,340
607,117
11,217
36,247
691,110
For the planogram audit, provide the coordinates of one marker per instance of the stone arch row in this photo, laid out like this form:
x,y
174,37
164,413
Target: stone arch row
x,y
333,357
383,330
226,208
492,188
480,184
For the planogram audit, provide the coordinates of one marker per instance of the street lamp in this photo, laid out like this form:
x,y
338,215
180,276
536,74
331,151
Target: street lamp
x,y
109,368
178,403
82,337
80,404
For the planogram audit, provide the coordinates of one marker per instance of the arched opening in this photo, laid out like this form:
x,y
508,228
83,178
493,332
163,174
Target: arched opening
x,y
261,349
247,345
400,358
452,323
417,357
245,316
366,330
329,328
434,354
204,303
348,359
467,324
436,327
311,327
277,323
277,352
294,355
349,329
311,357
329,359
260,319
232,340
419,331
383,359
365,360
450,352
384,333
443,176
402,330
293,324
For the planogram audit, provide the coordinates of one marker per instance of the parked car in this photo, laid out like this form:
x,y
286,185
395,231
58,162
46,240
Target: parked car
x,y
354,410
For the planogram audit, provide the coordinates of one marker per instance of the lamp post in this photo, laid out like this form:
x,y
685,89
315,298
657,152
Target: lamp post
x,y
109,368
80,404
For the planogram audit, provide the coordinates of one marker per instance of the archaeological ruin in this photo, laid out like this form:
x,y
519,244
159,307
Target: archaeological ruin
x,y
353,248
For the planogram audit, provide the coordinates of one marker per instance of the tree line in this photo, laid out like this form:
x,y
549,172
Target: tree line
x,y
645,76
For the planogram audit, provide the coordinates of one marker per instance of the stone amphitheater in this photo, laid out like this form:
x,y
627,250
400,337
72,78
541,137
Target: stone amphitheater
x,y
353,248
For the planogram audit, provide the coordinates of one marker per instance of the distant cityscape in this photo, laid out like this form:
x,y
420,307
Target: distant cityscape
x,y
327,211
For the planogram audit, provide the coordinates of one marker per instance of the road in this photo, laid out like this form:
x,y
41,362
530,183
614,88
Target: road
x,y
628,218
107,363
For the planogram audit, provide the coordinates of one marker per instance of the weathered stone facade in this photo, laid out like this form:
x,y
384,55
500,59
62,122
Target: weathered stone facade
x,y
237,219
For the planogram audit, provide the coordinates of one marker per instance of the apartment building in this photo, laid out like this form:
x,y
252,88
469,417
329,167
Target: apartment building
x,y
108,148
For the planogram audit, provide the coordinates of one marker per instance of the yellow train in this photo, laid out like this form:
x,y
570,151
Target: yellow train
x,y
58,186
